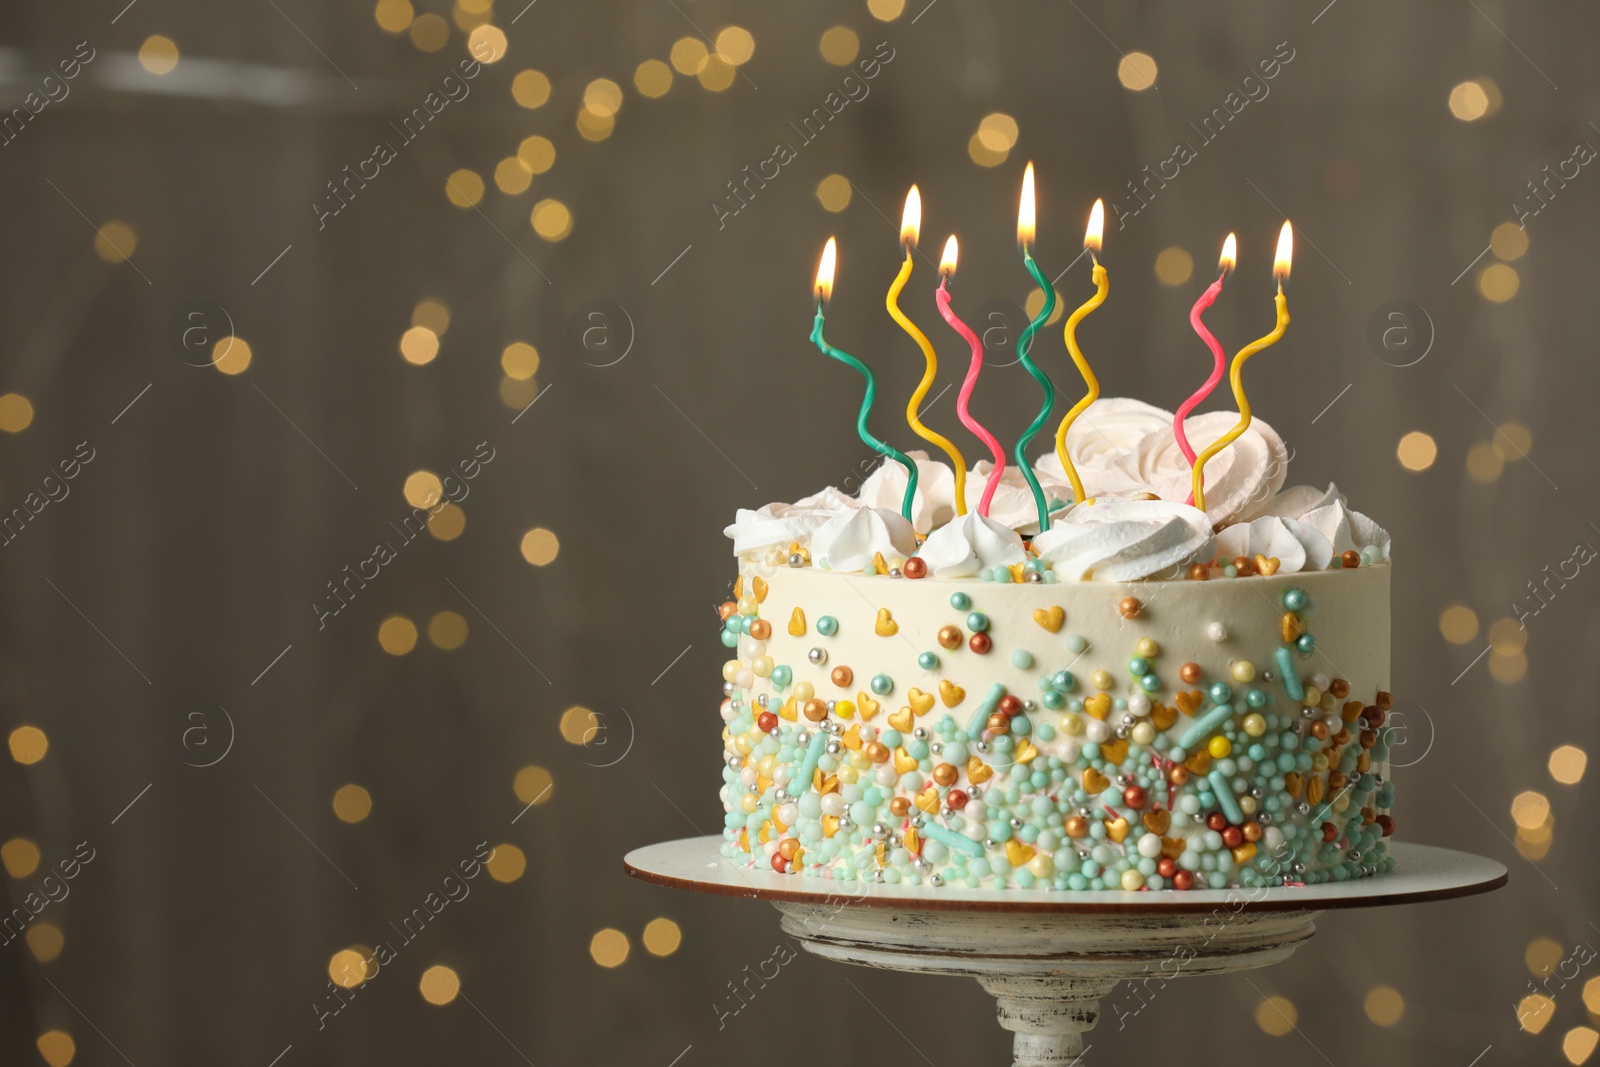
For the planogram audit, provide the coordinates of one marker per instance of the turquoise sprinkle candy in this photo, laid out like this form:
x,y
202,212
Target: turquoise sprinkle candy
x,y
952,840
981,713
1204,725
1022,659
928,661
882,684
960,601
1295,599
808,766
827,626
781,676
978,622
1291,677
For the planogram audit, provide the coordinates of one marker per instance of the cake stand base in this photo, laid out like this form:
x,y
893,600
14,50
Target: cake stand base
x,y
1052,960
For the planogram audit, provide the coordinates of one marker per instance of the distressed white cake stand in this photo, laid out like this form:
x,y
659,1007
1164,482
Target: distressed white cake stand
x,y
1049,958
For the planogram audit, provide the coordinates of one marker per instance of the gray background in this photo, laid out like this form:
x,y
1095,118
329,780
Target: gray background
x,y
192,547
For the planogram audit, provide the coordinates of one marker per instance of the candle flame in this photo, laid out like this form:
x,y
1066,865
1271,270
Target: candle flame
x,y
1025,210
1280,264
1230,254
947,264
830,253
1097,227
911,220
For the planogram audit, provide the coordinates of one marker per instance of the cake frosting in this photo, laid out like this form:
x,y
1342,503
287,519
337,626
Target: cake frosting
x,y
1144,695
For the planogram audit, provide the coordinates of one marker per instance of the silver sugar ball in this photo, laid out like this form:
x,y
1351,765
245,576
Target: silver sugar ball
x,y
1016,823
796,559
1303,808
1121,732
780,794
975,792
834,748
1298,868
982,746
817,656
728,689
1029,706
1268,676
1308,713
1128,719
1257,792
877,876
878,829
761,702
1083,813
1354,856
735,762
937,748
803,737
894,572
990,842
920,733
919,864
936,880
1264,818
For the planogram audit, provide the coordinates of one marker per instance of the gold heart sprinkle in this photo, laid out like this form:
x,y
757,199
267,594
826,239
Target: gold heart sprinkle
x,y
1162,717
1094,782
1098,705
1188,702
759,584
921,702
1115,751
885,626
979,772
903,761
1267,564
901,720
928,800
1157,821
1018,853
1026,751
1117,829
867,706
1050,618
950,693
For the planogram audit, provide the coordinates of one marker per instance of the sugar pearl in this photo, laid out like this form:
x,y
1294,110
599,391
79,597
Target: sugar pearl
x,y
1217,631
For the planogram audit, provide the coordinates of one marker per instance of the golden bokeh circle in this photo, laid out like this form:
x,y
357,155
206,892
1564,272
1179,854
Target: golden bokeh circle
x,y
448,523
115,241
530,89
1468,101
537,153
1507,667
1542,955
422,489
1513,442
1174,266
839,45
487,43
551,220
834,192
1484,463
652,78
609,947
662,937
688,55
1578,1044
28,744
603,97
579,725
394,16
429,33
158,54
540,546
1499,282
352,803
533,784
434,314
45,941
512,176
447,630
998,131
419,345
464,187
982,154
1508,636
717,74
507,863
20,857
439,984
1529,809
1137,71
1567,764
1534,1011
736,45
348,967
56,1047
1384,1005
886,10
1276,1016
1509,241
16,413
520,360
1458,624
1417,451
517,393
231,355
397,635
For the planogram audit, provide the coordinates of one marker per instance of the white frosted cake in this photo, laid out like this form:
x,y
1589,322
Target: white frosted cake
x,y
1144,696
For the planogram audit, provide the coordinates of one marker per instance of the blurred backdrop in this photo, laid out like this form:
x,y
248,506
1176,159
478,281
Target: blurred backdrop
x,y
377,382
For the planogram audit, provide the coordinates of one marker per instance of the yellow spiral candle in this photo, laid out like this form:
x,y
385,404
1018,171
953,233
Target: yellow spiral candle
x,y
1091,244
911,223
1280,271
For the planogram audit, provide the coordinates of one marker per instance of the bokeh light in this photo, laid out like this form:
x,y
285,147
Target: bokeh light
x,y
397,635
45,941
688,55
834,192
352,803
1509,241
540,546
551,220
115,241
448,523
1174,266
1529,809
20,857
717,74
1468,101
464,187
537,153
579,725
28,744
447,630
394,16
1578,1044
348,967
1568,763
652,78
736,45
886,10
422,489
1137,71
512,176
1276,1016
434,314
1542,955
520,360
1483,463
1458,624
998,131
158,54
839,45
439,984
1384,1005
1513,442
1499,282
507,863
1534,1011
419,345
487,43
533,784
231,355
530,89
430,32
1417,451
603,97
609,947
662,937
16,413
56,1047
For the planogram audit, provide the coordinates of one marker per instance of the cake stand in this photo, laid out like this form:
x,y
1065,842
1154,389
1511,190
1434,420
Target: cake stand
x,y
1050,958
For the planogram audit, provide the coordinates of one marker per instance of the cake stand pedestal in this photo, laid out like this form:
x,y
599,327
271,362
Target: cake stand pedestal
x,y
1052,960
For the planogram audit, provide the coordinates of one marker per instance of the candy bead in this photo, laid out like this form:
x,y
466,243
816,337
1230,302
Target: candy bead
x,y
882,684
980,643
915,567
1022,659
1295,600
1147,647
978,622
1216,631
949,637
1129,607
960,601
827,626
928,661
1242,670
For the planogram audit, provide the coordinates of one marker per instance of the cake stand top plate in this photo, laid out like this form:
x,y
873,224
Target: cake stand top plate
x,y
1422,873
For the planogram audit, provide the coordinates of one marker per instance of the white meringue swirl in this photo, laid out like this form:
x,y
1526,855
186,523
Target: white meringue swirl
x,y
780,525
849,540
1013,504
963,547
1125,540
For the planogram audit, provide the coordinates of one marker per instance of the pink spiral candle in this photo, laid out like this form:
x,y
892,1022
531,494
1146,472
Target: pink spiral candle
x,y
1220,364
942,296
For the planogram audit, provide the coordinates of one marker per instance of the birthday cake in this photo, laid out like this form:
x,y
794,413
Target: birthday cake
x,y
1125,692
